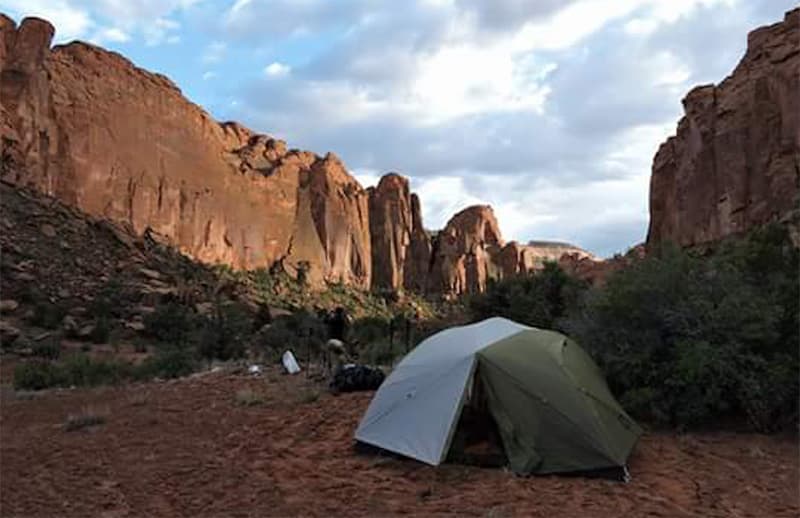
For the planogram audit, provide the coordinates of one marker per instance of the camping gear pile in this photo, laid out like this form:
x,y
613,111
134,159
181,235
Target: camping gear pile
x,y
547,400
352,378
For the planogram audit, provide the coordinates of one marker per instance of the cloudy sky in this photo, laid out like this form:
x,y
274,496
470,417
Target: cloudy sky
x,y
549,110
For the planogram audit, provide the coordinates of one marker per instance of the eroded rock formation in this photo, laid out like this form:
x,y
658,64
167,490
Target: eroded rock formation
x,y
463,250
88,127
734,163
470,251
596,271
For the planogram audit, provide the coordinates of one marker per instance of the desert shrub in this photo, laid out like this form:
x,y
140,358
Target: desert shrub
x,y
168,363
171,323
76,370
248,397
308,396
49,348
369,329
539,299
87,417
222,334
381,352
301,331
303,269
47,314
686,339
263,282
111,300
37,375
101,330
81,370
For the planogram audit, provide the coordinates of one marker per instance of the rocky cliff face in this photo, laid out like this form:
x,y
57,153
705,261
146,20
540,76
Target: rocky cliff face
x,y
400,246
463,252
470,251
88,127
735,161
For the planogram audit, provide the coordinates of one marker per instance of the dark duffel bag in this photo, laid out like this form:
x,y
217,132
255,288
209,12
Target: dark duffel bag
x,y
352,378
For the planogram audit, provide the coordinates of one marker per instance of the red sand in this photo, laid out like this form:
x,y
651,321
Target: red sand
x,y
185,448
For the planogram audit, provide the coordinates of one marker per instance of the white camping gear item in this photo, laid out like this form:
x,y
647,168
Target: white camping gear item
x,y
290,363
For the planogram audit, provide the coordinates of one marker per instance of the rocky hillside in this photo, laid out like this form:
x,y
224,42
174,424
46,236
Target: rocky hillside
x,y
734,163
91,129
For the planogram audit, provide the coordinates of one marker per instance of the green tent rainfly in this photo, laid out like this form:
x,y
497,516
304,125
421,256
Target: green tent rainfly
x,y
548,400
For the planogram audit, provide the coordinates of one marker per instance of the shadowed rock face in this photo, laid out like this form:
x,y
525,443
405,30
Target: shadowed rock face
x,y
87,126
734,163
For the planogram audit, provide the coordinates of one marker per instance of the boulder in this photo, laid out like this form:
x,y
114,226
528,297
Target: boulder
x,y
8,305
8,333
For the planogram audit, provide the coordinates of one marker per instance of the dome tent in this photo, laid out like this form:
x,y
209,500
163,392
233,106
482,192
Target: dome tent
x,y
547,398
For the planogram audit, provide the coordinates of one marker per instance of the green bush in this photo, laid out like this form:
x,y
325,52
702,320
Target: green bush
x,y
167,364
301,331
223,333
48,315
381,352
101,330
369,329
111,300
686,338
37,375
171,323
49,349
538,299
81,370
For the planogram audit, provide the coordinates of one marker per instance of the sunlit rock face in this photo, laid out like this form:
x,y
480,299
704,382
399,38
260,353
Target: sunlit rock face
x,y
87,126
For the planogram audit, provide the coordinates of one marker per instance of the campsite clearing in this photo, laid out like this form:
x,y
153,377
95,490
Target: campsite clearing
x,y
187,448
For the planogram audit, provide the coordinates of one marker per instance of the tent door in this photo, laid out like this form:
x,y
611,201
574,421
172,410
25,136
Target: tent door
x,y
476,440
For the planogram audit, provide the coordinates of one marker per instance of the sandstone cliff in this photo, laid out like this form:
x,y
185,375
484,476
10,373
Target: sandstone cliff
x,y
88,127
400,246
735,161
470,251
463,250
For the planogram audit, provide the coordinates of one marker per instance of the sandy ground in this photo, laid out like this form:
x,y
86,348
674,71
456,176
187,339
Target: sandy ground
x,y
186,448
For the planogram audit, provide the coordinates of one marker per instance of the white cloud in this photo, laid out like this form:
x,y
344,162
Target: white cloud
x,y
106,21
209,75
366,177
442,197
214,52
110,34
276,69
160,31
134,12
463,79
71,22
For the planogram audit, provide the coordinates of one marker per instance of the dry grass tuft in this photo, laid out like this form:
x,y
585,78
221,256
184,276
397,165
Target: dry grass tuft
x,y
87,418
